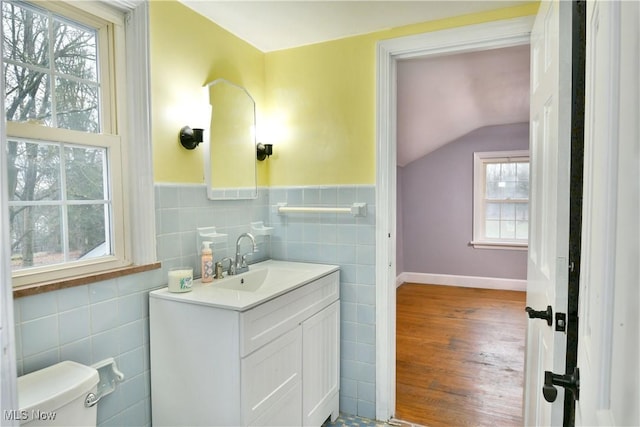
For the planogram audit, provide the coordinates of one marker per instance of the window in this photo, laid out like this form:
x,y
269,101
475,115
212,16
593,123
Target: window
x,y
64,150
501,199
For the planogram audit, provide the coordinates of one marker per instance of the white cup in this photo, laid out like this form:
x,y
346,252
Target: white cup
x,y
180,279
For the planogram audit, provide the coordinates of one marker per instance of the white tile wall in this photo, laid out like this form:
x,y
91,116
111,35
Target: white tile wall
x,y
88,324
180,209
350,243
111,318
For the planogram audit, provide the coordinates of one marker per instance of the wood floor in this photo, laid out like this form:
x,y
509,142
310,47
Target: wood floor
x,y
459,356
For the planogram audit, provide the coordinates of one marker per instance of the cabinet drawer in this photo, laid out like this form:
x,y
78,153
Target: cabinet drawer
x,y
267,321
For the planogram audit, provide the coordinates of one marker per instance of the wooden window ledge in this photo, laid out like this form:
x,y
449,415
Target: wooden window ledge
x,y
55,285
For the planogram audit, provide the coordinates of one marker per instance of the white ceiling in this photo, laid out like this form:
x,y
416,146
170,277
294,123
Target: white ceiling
x,y
274,25
439,99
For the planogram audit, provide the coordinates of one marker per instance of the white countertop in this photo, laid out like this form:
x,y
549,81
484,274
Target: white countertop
x,y
281,277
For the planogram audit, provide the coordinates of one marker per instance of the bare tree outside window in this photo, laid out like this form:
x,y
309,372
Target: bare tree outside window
x,y
59,207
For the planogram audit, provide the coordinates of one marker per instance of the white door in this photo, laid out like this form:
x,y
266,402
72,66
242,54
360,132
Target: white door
x,y
608,343
550,139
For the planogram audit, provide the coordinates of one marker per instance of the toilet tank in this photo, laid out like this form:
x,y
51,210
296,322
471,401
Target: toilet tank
x,y
54,396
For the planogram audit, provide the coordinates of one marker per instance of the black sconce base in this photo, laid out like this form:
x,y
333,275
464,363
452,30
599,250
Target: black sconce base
x,y
263,150
190,138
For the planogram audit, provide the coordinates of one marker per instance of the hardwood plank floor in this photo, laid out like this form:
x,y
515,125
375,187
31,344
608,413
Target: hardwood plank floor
x,y
459,355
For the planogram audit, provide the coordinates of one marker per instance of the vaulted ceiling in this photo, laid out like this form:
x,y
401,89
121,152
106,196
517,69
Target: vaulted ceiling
x,y
439,99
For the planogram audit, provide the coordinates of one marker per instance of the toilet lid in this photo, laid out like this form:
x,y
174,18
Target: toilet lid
x,y
55,386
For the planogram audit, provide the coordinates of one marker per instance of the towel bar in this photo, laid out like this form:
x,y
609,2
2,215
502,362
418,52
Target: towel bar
x,y
356,209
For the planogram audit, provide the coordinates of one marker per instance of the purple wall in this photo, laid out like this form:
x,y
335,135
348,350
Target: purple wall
x,y
435,209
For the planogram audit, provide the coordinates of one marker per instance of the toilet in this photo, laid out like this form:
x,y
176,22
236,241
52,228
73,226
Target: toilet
x,y
55,396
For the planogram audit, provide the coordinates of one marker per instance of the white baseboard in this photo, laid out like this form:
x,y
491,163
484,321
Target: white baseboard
x,y
463,281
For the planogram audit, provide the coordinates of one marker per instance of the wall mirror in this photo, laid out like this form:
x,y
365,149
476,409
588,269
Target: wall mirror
x,y
230,161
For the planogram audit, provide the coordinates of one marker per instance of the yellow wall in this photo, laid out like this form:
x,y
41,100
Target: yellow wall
x,y
316,103
322,97
188,51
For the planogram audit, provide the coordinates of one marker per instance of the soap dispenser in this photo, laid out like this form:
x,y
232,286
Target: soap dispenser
x,y
207,262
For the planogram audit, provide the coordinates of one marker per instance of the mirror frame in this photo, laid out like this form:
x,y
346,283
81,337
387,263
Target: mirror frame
x,y
227,193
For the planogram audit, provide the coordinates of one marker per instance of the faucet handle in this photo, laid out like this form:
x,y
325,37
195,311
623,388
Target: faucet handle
x,y
218,271
231,269
244,259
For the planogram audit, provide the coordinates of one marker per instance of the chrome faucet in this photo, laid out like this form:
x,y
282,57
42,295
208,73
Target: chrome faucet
x,y
240,266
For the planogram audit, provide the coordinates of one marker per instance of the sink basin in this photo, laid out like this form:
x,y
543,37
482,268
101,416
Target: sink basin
x,y
263,281
260,278
250,281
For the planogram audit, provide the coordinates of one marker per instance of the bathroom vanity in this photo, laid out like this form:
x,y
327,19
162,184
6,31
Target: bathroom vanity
x,y
259,348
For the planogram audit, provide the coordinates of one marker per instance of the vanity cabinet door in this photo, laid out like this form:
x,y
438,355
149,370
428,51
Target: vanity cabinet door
x,y
321,365
272,383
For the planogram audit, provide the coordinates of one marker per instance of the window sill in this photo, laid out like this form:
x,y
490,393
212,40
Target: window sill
x,y
499,245
40,288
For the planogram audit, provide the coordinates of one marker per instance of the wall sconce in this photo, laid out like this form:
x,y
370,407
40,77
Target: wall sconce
x,y
264,150
190,138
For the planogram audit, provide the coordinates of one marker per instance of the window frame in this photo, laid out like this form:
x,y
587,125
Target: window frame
x,y
480,159
109,25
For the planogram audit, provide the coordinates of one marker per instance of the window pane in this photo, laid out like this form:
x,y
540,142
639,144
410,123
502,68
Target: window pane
x,y
25,43
36,237
25,35
492,211
494,190
69,83
507,229
523,171
85,173
508,172
87,231
522,211
34,171
75,51
492,229
521,190
522,230
49,226
509,190
508,211
522,186
493,172
27,95
77,106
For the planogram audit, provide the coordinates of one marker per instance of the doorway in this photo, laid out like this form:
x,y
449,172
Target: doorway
x,y
467,39
453,341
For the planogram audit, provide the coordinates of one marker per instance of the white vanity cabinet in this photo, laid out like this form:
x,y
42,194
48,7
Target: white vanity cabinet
x,y
273,364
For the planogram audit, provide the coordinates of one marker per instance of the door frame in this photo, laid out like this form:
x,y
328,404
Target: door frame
x,y
492,35
8,369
